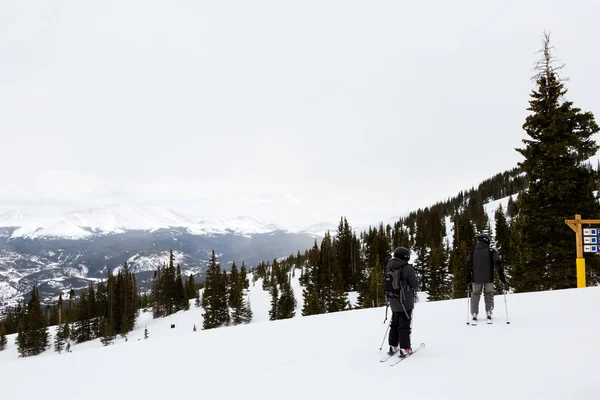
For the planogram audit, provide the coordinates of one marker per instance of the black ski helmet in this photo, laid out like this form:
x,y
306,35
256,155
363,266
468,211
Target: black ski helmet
x,y
402,253
483,237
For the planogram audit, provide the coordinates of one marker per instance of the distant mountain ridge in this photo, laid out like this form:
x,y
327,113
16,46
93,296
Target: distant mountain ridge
x,y
71,249
123,217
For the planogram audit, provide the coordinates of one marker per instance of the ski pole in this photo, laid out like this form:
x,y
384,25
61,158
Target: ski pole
x,y
385,334
505,305
386,308
468,302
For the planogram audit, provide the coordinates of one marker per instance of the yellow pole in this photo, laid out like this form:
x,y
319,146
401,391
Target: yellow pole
x,y
581,272
580,261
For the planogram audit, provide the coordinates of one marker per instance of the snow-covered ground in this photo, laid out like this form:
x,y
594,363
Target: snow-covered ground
x,y
550,350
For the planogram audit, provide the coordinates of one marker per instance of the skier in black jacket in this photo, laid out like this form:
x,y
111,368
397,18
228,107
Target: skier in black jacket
x,y
401,300
480,273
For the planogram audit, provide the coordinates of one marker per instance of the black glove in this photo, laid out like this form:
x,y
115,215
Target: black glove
x,y
503,279
468,278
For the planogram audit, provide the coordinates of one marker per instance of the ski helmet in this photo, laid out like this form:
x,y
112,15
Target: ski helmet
x,y
402,253
483,237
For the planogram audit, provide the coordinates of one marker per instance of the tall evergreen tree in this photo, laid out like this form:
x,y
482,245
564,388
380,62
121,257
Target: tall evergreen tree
x,y
343,251
244,276
375,296
71,315
286,306
60,308
108,334
190,287
247,312
32,338
214,297
61,337
503,241
439,283
560,183
236,299
180,295
274,292
310,293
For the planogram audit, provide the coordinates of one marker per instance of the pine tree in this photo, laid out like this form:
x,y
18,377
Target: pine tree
x,y
325,269
61,337
108,334
338,299
223,298
244,277
503,242
236,300
197,303
32,338
190,287
247,312
71,315
286,306
180,298
560,184
274,292
439,283
60,308
214,297
81,328
310,294
375,296
22,339
343,251
92,312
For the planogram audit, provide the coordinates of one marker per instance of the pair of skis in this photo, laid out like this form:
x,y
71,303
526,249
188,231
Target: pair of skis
x,y
474,322
400,357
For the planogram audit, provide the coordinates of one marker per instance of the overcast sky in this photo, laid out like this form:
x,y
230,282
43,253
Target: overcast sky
x,y
293,112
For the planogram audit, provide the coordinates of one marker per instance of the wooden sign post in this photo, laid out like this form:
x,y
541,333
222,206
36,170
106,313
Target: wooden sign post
x,y
592,241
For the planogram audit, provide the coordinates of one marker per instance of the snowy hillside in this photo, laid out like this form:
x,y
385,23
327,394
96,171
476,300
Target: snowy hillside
x,y
549,351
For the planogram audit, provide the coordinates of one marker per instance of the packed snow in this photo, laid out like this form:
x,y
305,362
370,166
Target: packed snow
x,y
548,351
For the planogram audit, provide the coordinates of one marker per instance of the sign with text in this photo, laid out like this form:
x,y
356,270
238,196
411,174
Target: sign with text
x,y
590,240
590,232
591,249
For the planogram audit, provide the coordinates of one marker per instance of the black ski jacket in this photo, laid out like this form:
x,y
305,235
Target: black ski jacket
x,y
409,281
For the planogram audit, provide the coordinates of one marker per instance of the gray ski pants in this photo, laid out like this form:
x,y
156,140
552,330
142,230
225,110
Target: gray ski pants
x,y
488,294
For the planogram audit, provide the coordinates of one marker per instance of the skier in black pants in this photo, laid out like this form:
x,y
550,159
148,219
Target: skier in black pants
x,y
400,281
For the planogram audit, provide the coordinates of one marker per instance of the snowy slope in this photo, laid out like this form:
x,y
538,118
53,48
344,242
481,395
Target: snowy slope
x,y
537,356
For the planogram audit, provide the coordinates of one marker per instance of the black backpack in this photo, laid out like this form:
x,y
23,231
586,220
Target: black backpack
x,y
392,282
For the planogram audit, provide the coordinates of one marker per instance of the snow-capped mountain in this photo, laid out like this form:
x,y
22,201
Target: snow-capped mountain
x,y
120,218
69,250
238,225
58,252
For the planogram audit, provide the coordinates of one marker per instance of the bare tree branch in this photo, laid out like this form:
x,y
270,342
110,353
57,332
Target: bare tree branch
x,y
548,65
